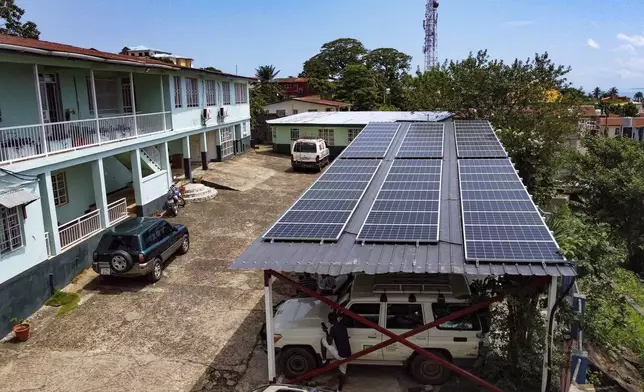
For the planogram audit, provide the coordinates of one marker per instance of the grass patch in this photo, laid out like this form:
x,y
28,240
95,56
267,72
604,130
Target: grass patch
x,y
64,301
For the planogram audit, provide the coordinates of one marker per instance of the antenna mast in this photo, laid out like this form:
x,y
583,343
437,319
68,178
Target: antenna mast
x,y
430,25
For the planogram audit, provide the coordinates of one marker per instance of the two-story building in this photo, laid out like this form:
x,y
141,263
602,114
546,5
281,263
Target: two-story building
x,y
80,128
312,103
295,87
628,127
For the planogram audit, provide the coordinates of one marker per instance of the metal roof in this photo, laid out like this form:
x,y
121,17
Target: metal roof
x,y
346,256
16,198
358,118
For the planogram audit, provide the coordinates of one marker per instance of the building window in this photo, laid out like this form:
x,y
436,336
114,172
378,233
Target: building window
x,y
11,231
295,133
126,96
106,96
313,110
329,109
226,87
241,94
178,100
352,133
211,92
468,322
295,111
280,112
192,93
59,185
327,135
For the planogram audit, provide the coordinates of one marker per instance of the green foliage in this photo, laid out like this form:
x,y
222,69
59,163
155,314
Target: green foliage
x,y
597,93
638,97
610,182
612,92
387,108
512,96
211,69
10,15
334,57
64,301
17,320
358,85
323,87
266,73
629,110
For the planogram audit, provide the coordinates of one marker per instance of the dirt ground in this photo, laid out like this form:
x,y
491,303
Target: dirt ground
x,y
195,330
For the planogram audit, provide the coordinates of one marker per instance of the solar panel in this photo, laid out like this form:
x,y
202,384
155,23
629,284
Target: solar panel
x,y
406,208
372,142
322,212
476,139
500,221
422,140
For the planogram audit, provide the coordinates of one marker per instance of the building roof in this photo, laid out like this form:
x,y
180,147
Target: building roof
x,y
54,49
144,48
357,118
291,80
638,122
589,111
317,100
348,256
169,56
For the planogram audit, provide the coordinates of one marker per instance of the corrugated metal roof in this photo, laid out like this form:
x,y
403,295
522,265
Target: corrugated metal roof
x,y
358,118
17,198
346,256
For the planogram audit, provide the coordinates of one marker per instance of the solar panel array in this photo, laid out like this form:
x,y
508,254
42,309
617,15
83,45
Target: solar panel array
x,y
372,142
423,140
406,208
323,211
476,139
500,221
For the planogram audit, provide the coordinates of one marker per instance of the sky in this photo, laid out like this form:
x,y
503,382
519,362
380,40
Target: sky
x,y
603,41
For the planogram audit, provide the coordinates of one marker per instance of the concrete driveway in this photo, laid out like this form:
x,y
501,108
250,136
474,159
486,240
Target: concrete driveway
x,y
196,329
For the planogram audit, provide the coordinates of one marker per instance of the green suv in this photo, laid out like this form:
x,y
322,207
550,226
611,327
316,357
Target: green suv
x,y
139,247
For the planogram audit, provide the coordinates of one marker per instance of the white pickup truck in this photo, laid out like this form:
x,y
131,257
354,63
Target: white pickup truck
x,y
397,302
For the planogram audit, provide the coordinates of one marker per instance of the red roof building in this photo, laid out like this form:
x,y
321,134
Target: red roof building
x,y
295,87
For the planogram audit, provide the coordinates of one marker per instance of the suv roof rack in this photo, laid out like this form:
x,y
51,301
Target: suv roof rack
x,y
453,284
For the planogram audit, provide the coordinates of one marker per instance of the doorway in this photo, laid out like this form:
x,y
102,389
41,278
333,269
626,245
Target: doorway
x,y
50,95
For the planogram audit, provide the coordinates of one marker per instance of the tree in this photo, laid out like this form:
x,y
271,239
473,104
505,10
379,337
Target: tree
x,y
638,97
597,93
511,96
266,73
211,69
333,58
358,85
629,110
612,92
11,14
610,179
390,66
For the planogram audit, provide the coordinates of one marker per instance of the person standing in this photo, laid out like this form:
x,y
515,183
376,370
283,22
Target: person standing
x,y
336,341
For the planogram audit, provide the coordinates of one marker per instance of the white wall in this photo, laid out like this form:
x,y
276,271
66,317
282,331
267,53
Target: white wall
x,y
117,176
34,249
80,192
301,107
153,186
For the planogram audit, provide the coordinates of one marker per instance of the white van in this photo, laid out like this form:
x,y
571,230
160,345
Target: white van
x,y
397,302
309,153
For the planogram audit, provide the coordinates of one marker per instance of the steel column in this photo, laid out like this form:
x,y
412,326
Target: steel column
x,y
268,308
552,297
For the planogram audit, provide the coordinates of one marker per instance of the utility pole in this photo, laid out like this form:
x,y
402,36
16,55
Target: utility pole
x,y
430,24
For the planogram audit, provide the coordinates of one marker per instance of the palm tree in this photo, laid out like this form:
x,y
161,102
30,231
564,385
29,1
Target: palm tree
x,y
266,73
612,92
597,93
638,97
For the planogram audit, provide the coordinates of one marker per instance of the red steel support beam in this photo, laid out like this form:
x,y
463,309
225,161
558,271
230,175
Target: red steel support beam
x,y
393,337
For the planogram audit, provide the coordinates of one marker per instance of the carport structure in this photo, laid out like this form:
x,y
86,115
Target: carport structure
x,y
476,220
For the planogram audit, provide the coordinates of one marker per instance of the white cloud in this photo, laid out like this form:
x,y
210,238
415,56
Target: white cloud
x,y
637,40
592,43
626,48
519,23
632,68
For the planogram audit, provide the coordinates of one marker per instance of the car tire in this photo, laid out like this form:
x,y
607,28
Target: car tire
x,y
121,261
297,361
157,271
426,371
185,245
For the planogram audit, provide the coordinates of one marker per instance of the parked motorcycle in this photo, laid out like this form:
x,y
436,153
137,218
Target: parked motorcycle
x,y
174,201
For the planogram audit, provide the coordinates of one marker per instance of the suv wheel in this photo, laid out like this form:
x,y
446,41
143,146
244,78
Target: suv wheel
x,y
296,361
185,244
426,371
157,271
121,261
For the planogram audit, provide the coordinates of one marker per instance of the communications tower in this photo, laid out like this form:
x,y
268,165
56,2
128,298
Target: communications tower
x,y
430,24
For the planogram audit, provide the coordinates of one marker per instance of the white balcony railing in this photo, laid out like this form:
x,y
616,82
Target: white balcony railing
x,y
117,211
47,244
77,230
32,141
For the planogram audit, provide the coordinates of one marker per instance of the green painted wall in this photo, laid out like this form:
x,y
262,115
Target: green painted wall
x,y
18,100
341,134
79,193
148,93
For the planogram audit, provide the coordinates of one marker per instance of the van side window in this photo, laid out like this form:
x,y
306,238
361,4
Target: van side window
x,y
296,147
150,237
369,311
404,316
468,322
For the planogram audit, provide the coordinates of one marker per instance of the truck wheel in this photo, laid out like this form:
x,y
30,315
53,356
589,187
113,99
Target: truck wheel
x,y
121,261
185,245
296,361
426,371
157,271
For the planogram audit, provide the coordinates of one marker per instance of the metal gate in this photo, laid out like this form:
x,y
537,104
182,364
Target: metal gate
x,y
227,142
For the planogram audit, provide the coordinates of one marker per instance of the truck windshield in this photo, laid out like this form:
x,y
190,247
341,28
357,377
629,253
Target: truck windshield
x,y
307,147
110,243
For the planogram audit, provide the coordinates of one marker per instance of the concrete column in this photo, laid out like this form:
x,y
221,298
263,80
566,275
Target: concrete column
x,y
135,158
165,161
100,193
185,144
49,212
204,150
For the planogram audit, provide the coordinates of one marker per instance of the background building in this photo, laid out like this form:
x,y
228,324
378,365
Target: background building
x,y
142,51
297,105
295,87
